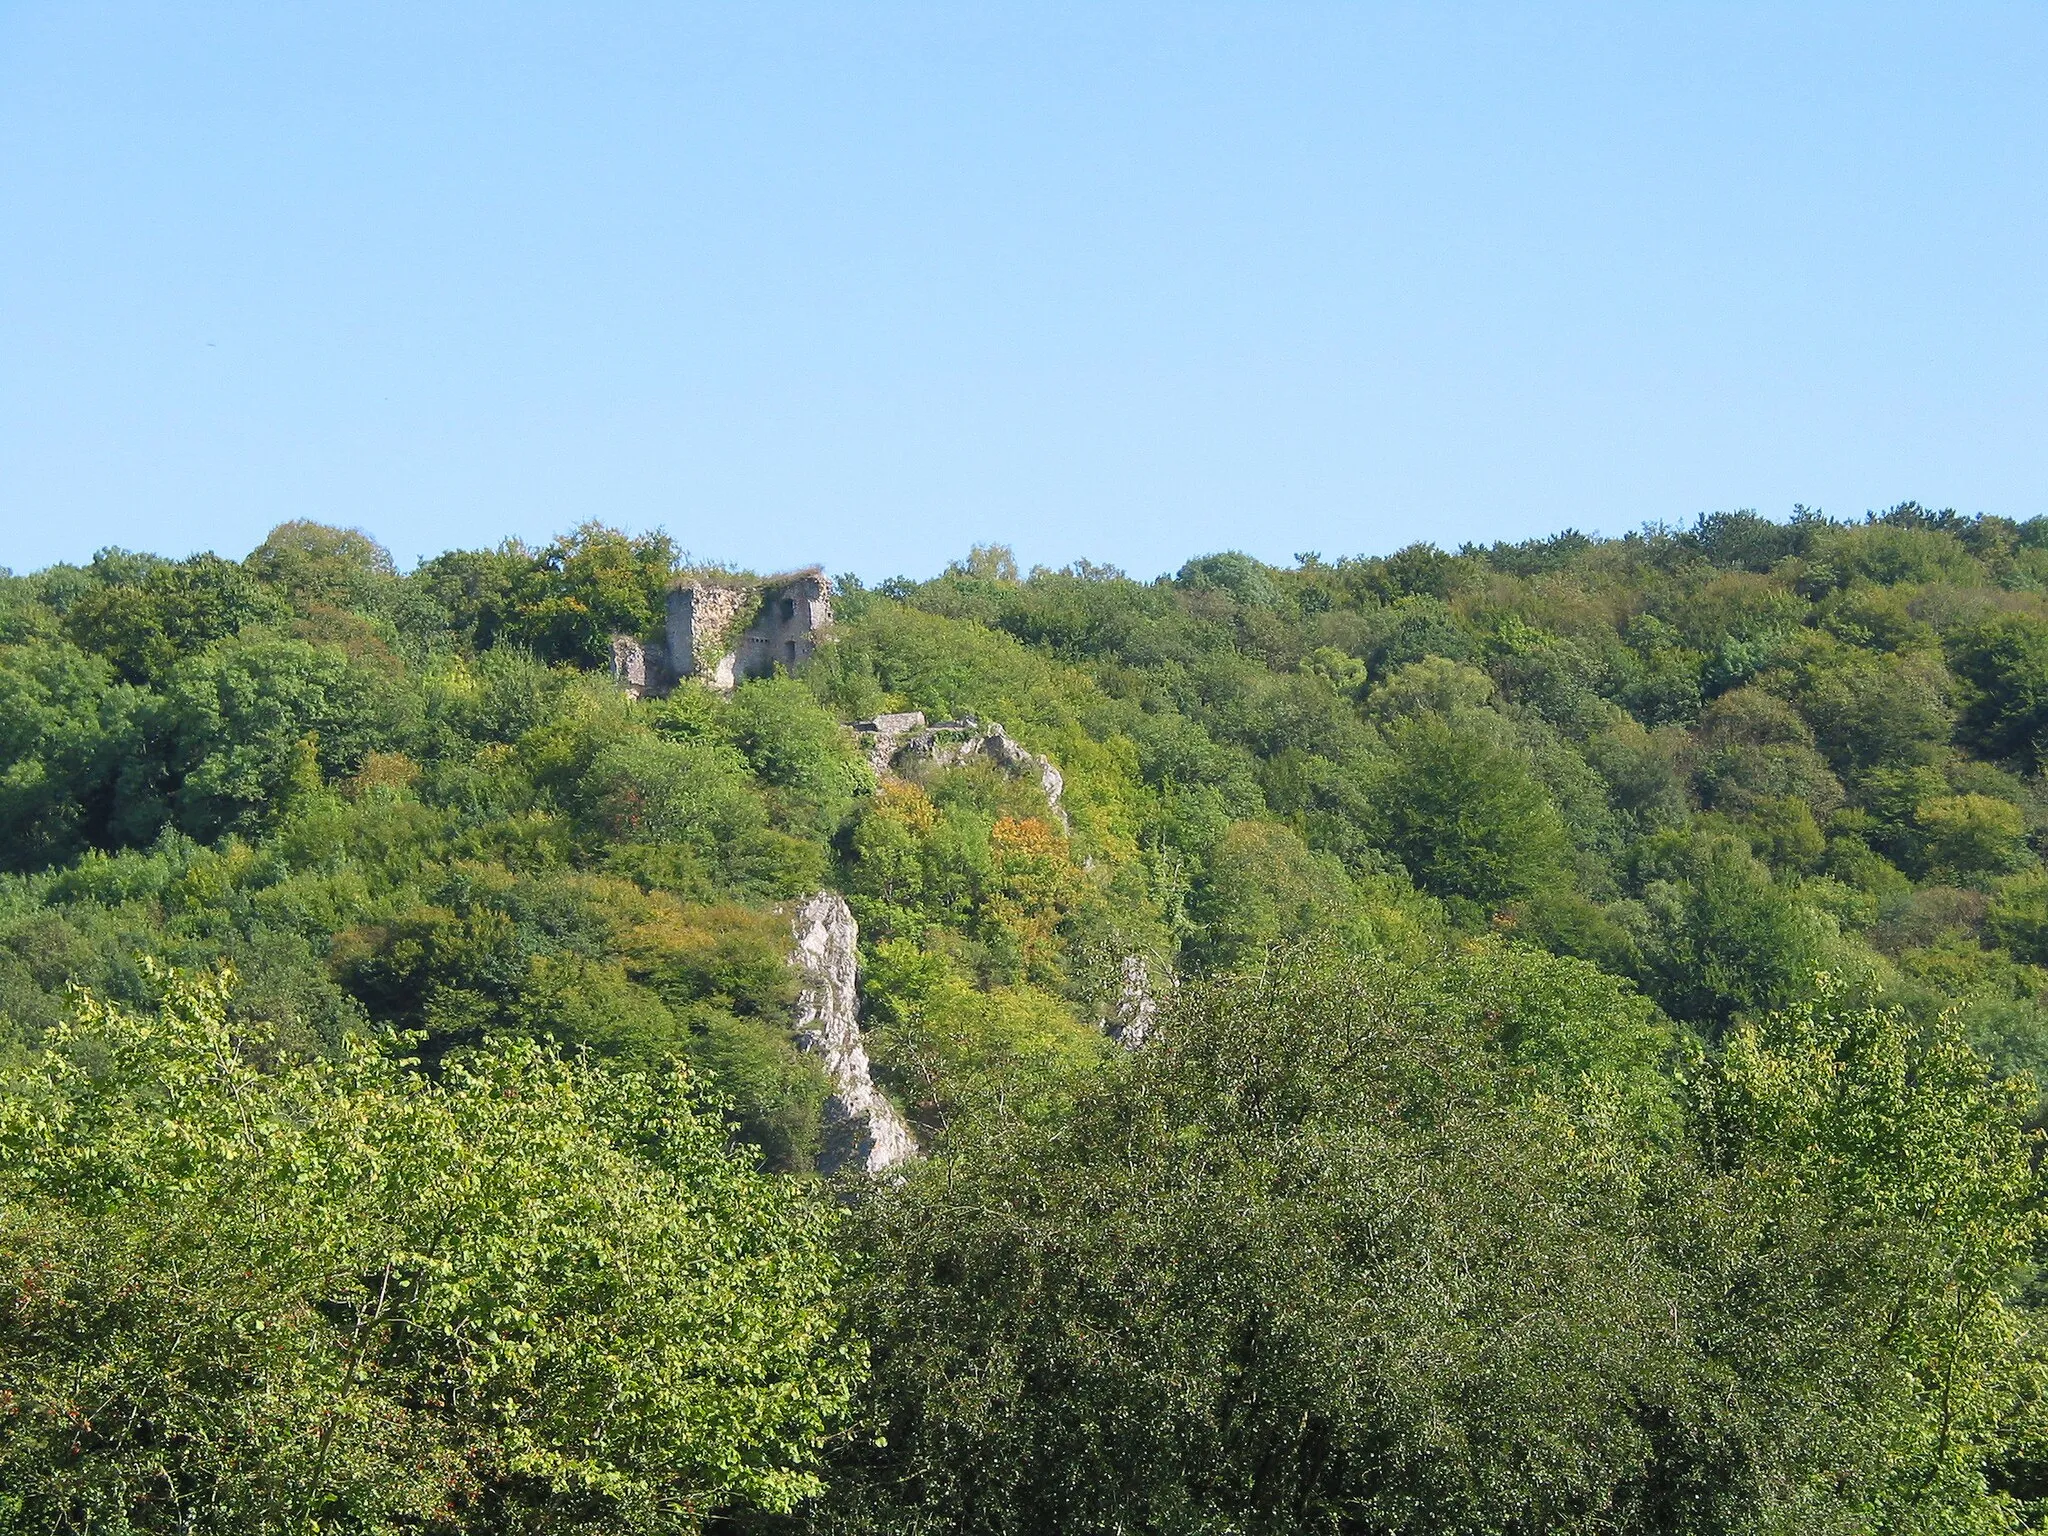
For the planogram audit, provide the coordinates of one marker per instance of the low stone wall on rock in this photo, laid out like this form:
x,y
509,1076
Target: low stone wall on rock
x,y
891,741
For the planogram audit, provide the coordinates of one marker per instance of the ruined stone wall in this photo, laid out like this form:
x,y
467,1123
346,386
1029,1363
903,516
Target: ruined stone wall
x,y
785,615
701,616
795,610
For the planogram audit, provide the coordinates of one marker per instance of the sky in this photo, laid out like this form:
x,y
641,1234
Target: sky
x,y
866,284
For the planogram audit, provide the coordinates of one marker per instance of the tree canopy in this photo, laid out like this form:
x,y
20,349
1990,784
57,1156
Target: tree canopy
x,y
327,1294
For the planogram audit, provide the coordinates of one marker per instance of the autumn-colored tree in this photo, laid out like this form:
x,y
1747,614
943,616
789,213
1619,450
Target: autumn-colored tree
x,y
1035,883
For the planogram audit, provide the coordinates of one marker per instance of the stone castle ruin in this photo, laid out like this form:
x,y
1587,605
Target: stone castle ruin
x,y
725,630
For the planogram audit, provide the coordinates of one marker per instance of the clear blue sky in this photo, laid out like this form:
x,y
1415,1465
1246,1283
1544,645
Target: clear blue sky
x,y
867,283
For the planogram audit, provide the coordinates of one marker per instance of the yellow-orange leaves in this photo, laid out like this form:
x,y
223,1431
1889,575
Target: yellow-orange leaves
x,y
1035,881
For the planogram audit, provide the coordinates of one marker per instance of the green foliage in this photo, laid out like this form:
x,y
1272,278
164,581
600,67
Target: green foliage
x,y
946,668
1876,711
1885,1161
252,724
68,740
1261,885
564,601
1466,815
145,620
1346,674
776,1094
971,860
641,789
1187,1306
945,1045
589,585
1727,939
2018,916
2003,663
1961,836
1587,1038
1754,747
1244,578
1319,1259
315,564
794,745
333,1295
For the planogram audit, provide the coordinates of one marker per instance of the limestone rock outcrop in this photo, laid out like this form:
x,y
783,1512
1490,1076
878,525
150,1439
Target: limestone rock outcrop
x,y
1130,1023
862,1128
891,739
883,737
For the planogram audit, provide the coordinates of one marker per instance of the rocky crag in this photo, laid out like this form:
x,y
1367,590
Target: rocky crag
x,y
862,1128
891,741
1130,1022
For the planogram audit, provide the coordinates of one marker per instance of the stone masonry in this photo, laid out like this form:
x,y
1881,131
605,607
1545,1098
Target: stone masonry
x,y
788,613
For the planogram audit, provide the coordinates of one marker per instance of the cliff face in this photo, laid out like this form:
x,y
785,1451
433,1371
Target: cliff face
x,y
861,1126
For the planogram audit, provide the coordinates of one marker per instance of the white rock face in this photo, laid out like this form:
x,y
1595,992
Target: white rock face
x,y
1136,1008
861,1126
998,745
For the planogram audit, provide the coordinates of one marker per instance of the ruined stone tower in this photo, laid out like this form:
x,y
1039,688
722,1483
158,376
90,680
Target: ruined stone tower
x,y
727,631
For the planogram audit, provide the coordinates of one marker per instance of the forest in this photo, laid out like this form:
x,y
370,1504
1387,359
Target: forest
x,y
1596,999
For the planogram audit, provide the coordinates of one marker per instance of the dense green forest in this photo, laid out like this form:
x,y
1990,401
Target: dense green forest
x,y
1601,997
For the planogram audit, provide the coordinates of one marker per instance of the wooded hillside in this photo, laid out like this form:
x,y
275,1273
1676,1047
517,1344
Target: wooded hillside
x,y
1601,988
